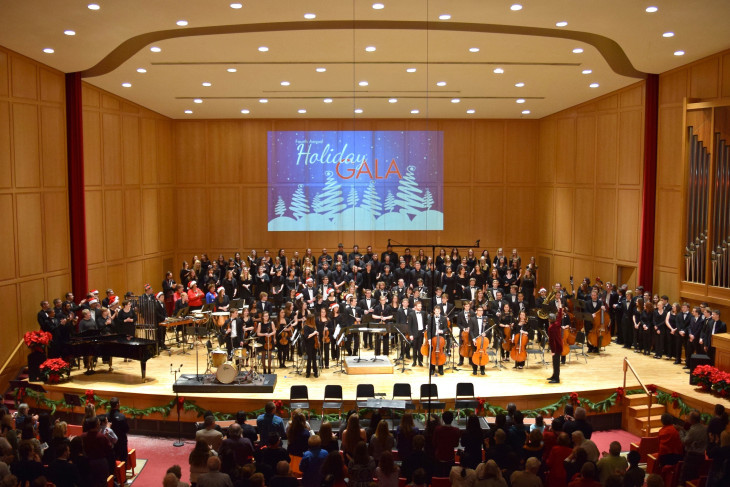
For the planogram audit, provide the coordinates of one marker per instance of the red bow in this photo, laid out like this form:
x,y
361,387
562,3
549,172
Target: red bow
x,y
574,398
651,388
20,396
620,394
180,403
480,408
89,396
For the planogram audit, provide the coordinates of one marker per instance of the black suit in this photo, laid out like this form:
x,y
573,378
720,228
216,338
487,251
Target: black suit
x,y
682,321
383,312
437,326
592,307
45,322
160,314
695,329
363,305
712,327
478,326
417,334
462,321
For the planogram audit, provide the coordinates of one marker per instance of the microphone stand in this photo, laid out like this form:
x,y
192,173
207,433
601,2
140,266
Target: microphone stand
x,y
179,441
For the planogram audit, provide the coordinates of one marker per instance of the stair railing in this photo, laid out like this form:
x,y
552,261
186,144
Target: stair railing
x,y
627,367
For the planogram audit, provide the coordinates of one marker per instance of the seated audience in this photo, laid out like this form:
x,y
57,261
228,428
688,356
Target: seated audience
x,y
670,444
611,463
580,441
333,470
176,470
235,450
587,477
381,441
61,471
527,477
214,477
329,441
634,476
719,474
387,472
198,460
462,476
28,466
362,466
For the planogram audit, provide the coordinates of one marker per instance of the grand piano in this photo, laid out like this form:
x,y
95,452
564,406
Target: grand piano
x,y
118,345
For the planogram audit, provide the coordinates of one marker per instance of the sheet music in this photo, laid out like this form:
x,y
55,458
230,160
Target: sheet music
x,y
337,332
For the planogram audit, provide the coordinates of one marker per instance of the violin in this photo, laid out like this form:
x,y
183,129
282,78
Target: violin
x,y
326,335
481,354
316,342
269,344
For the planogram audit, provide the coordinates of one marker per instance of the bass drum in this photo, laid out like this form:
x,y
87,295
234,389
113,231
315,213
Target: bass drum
x,y
226,373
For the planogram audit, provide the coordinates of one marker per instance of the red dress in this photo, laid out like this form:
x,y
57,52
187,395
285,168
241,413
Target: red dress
x,y
556,476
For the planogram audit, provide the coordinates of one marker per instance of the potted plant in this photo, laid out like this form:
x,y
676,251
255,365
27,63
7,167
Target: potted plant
x,y
36,341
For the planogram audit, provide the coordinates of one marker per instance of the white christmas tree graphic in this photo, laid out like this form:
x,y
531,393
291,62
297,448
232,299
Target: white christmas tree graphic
x,y
389,202
352,198
408,194
299,206
331,199
280,208
371,200
317,203
428,199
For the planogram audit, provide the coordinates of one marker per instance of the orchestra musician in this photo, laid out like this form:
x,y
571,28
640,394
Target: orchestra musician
x,y
230,332
310,334
367,305
593,305
438,326
417,322
478,326
682,336
519,332
160,314
351,318
324,322
462,321
401,320
247,328
195,296
282,325
265,330
384,313
506,320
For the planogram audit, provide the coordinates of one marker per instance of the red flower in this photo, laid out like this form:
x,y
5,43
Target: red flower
x,y
180,403
651,388
34,339
574,398
620,394
480,408
89,396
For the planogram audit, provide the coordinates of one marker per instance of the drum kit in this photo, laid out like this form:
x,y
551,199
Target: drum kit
x,y
227,371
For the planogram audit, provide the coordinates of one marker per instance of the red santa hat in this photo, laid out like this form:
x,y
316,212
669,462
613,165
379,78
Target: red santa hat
x,y
93,301
94,291
309,279
329,291
299,296
542,290
115,300
220,289
147,286
191,284
334,305
159,294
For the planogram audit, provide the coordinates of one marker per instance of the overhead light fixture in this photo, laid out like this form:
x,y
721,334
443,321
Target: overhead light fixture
x,y
155,49
378,6
679,53
651,10
445,17
578,50
141,70
363,83
182,23
410,70
370,49
470,111
327,100
93,6
455,100
520,100
441,83
48,50
301,110
321,70
415,111
188,112
525,112
498,71
245,111
69,32
516,7
285,83
127,85
587,71
263,100
668,34
310,16
473,49
358,110
231,70
236,5
206,83
520,84
197,100
593,85
263,48
393,100
562,23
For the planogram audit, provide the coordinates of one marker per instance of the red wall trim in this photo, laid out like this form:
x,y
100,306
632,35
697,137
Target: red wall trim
x,y
648,203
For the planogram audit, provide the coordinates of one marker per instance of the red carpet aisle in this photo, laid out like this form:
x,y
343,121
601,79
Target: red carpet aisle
x,y
160,454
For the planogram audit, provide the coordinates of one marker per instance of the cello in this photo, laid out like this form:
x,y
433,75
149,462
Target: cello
x,y
438,357
507,330
466,349
481,355
519,350
425,346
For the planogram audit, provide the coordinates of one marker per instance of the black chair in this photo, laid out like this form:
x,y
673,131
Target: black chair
x,y
465,398
430,397
363,393
332,399
298,397
402,391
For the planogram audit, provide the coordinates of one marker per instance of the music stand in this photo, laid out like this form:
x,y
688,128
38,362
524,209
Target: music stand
x,y
378,325
405,340
236,303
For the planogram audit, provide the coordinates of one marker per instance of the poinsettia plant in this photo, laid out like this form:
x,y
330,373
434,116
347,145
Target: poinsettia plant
x,y
37,340
54,369
712,379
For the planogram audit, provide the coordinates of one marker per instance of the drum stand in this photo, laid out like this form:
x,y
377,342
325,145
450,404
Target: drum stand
x,y
498,354
297,363
341,359
454,343
179,441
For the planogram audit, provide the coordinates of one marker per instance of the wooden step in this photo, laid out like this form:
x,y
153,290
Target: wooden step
x,y
655,421
643,410
637,399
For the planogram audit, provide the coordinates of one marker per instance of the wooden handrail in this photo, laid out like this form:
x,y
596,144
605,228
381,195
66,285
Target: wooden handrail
x,y
627,366
10,358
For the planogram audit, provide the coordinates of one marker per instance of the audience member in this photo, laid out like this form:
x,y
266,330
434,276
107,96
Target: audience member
x,y
634,476
461,475
447,439
516,434
717,425
488,474
214,477
404,435
352,435
533,446
386,472
297,435
580,441
61,471
695,444
248,430
381,441
527,477
209,434
28,466
611,463
362,466
579,423
416,459
419,479
555,465
268,422
654,480
235,450
539,424
271,455
329,441
311,463
118,423
283,477
257,480
99,450
169,480
198,460
670,444
473,443
586,478
177,471
333,470
80,460
719,474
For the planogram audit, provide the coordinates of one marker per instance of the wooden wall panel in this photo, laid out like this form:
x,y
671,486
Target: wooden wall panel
x,y
673,87
607,148
55,231
627,248
565,157
458,155
585,149
97,277
254,151
9,304
194,204
24,78
190,138
30,234
130,149
4,74
7,243
26,139
725,86
111,149
545,218
670,163
703,79
225,157
148,142
92,148
58,285
150,225
53,86
489,150
564,219
53,146
31,294
632,97
95,222
604,235
668,229
225,231
133,222
521,146
165,166
6,173
630,142
116,275
168,220
114,224
548,142
584,221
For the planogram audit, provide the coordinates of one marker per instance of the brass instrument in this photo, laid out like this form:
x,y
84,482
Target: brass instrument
x,y
543,313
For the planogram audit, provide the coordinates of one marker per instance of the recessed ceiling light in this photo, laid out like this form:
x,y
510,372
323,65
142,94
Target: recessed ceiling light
x,y
679,53
301,110
363,83
445,17
651,10
520,84
455,100
188,112
231,70
516,7
562,23
155,49
141,70
441,83
594,85
578,50
127,85
415,112
310,16
358,110
197,100
182,23
263,100
393,100
470,111
498,70
207,83
668,34
285,83
236,5
48,50
321,70
263,48
378,6
520,100
525,112
410,70
69,32
245,111
587,71
370,49
473,49
93,6
327,100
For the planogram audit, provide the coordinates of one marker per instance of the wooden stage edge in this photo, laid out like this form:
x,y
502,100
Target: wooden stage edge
x,y
595,380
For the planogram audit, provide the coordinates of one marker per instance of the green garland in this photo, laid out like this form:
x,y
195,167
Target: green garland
x,y
485,409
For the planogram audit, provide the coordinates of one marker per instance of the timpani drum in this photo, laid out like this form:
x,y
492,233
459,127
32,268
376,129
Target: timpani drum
x,y
218,357
220,317
226,373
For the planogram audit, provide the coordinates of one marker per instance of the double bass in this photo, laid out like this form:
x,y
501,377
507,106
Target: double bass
x,y
600,334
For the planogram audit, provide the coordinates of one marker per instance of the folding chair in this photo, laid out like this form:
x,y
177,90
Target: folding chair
x,y
364,391
402,391
298,397
579,346
332,398
465,398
